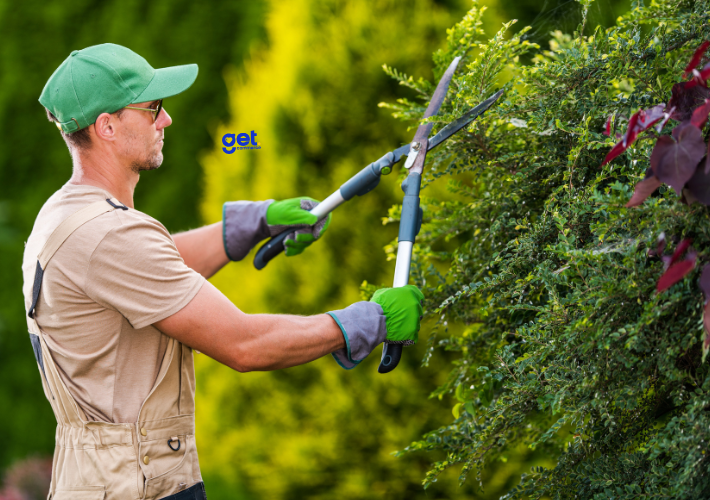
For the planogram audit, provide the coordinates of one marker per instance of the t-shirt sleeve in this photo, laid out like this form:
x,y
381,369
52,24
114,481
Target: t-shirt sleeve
x,y
137,270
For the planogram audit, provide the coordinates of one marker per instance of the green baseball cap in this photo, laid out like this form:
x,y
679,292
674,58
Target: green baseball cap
x,y
105,78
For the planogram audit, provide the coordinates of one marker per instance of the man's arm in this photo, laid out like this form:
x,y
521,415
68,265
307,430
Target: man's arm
x,y
211,324
202,249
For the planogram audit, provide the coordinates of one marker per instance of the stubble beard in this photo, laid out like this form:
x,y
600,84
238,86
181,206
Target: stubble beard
x,y
153,162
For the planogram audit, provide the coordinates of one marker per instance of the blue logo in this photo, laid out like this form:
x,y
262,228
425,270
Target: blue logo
x,y
243,141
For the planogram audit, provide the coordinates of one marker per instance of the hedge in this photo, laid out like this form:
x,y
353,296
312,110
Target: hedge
x,y
571,345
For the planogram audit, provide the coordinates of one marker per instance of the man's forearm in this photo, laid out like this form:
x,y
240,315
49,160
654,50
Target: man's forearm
x,y
280,341
211,324
202,249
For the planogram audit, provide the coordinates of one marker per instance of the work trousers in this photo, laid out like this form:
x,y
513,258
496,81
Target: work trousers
x,y
196,492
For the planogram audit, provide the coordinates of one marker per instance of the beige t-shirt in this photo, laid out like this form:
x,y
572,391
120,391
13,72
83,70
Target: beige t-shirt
x,y
104,288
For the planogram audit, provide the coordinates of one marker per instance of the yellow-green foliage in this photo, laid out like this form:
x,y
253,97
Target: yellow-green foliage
x,y
311,96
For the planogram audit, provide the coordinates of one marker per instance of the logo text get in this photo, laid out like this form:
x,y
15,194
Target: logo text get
x,y
244,141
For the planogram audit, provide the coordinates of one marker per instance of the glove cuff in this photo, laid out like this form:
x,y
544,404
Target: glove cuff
x,y
364,327
243,226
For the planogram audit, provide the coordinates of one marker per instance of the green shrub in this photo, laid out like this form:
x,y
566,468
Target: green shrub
x,y
568,347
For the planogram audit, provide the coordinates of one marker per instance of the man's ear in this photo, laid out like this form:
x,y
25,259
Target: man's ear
x,y
105,127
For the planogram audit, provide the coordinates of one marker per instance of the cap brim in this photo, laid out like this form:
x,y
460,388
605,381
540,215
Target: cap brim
x,y
168,82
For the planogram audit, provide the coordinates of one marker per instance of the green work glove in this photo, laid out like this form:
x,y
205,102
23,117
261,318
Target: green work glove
x,y
403,311
392,316
294,214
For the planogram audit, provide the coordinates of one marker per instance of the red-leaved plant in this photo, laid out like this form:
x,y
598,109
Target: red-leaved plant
x,y
681,160
674,268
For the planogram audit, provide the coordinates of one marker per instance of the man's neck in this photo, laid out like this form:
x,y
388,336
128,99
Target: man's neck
x,y
120,181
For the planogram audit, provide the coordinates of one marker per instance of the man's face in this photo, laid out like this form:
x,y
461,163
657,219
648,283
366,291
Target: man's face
x,y
141,138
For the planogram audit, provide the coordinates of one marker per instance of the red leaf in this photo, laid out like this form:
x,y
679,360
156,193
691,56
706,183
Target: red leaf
x,y
706,334
700,115
661,243
670,259
648,117
666,259
660,246
674,159
682,247
698,187
695,60
699,77
705,72
607,130
704,281
629,137
639,121
615,151
694,83
676,272
643,190
685,100
631,132
666,117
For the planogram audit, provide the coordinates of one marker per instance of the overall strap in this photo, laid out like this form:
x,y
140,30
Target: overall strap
x,y
59,236
65,408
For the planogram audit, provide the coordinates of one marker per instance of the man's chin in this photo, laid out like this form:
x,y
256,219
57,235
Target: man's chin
x,y
151,164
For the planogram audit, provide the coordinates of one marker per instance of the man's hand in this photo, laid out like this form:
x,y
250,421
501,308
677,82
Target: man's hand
x,y
393,315
403,309
246,223
294,214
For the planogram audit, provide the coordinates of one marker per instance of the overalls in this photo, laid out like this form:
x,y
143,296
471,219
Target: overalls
x,y
149,459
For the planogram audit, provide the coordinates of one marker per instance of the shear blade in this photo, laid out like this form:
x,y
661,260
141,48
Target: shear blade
x,y
452,127
437,99
463,121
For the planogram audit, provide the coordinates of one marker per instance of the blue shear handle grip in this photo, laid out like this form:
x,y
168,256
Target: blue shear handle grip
x,y
391,354
270,249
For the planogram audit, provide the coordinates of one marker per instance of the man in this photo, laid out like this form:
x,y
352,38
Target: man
x,y
116,304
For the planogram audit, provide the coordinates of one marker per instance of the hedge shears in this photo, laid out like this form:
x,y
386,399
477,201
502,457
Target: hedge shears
x,y
369,177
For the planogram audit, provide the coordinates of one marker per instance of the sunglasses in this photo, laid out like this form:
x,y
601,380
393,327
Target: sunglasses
x,y
155,110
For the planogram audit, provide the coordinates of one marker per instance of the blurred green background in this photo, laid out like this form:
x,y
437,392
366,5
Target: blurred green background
x,y
306,76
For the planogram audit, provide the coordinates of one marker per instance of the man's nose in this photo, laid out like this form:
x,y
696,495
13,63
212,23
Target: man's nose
x,y
163,120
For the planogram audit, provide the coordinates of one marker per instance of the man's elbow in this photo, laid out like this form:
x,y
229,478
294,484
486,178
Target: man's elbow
x,y
246,360
241,360
241,368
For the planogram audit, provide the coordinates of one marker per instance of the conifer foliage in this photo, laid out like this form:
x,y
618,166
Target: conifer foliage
x,y
583,338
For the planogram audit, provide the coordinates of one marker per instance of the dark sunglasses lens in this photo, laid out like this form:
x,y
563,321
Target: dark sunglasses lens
x,y
157,112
